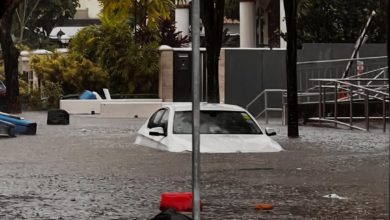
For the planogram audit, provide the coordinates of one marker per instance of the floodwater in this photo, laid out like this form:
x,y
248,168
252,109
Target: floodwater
x,y
91,169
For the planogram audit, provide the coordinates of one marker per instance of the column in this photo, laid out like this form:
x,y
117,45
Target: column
x,y
165,87
182,18
247,23
283,27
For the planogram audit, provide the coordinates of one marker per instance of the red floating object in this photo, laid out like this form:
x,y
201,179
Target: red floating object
x,y
180,201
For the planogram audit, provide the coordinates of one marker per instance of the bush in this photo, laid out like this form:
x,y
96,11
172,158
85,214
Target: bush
x,y
132,66
72,73
52,93
32,100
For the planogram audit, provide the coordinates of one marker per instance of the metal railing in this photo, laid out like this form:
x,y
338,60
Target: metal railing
x,y
268,109
333,69
351,89
329,74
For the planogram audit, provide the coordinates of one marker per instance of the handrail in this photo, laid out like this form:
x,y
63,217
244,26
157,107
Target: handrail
x,y
341,81
382,69
266,108
340,60
261,94
368,72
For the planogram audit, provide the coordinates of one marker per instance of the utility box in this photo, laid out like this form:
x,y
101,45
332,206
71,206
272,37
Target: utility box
x,y
182,75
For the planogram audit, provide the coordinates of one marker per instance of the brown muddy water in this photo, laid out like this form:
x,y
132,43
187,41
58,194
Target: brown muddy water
x,y
91,169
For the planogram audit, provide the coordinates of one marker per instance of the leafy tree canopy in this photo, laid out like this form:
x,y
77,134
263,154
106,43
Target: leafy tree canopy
x,y
337,21
340,21
141,12
34,19
132,67
232,9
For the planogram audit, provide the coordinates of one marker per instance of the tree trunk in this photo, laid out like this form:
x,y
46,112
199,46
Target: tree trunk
x,y
292,99
10,56
213,23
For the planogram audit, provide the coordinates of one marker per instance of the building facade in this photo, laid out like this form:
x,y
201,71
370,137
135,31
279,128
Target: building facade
x,y
261,23
89,9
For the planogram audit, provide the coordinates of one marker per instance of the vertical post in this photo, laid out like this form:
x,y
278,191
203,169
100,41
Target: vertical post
x,y
350,105
266,106
204,71
388,76
283,110
320,100
366,111
335,104
195,30
292,99
384,113
324,102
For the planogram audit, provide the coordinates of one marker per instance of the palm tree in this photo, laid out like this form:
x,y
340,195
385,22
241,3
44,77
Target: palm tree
x,y
144,12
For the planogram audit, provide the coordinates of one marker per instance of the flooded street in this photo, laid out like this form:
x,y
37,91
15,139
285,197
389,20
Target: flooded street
x,y
91,169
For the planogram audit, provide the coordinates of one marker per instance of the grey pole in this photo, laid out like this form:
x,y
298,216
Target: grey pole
x,y
195,32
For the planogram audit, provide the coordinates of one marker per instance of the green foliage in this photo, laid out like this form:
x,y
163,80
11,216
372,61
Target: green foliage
x,y
169,36
33,101
142,16
73,73
337,21
23,88
232,9
341,21
141,12
53,92
34,19
132,67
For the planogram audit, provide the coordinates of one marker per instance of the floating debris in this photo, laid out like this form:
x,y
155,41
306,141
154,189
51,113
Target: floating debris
x,y
334,196
264,206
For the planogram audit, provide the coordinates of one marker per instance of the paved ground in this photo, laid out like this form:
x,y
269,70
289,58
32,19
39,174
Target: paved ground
x,y
92,170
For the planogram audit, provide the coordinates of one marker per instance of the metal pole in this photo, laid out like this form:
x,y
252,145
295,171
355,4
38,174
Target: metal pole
x,y
358,44
266,106
384,112
366,111
195,31
320,101
350,105
384,97
335,103
283,111
324,102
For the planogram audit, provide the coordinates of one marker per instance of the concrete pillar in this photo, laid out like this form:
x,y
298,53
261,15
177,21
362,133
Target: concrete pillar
x,y
283,26
247,23
182,19
221,75
165,87
25,69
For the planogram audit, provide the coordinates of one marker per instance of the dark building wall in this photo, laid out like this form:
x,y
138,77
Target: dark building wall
x,y
249,71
